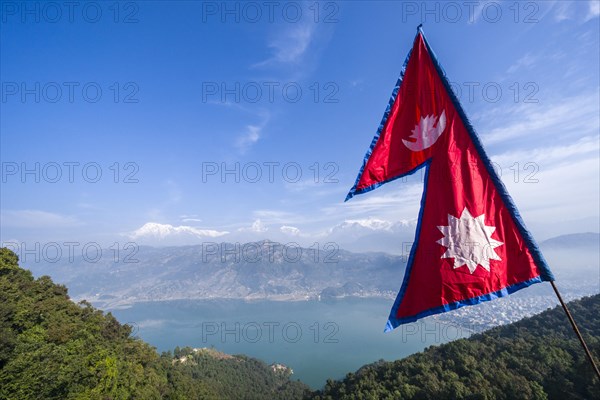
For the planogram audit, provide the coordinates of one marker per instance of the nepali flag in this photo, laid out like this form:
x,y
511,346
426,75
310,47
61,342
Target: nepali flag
x,y
470,244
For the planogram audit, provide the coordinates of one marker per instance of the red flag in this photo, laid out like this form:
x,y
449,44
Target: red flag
x,y
471,244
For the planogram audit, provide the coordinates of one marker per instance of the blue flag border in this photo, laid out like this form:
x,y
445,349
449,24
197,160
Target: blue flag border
x,y
545,273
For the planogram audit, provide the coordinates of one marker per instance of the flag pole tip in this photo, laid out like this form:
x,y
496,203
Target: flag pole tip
x,y
419,27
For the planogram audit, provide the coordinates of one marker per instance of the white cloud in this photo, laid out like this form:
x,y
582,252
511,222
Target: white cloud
x,y
290,230
575,10
153,230
247,139
568,191
594,9
275,214
325,184
252,134
257,227
373,224
370,225
397,200
302,185
479,8
562,11
37,219
526,61
278,217
290,45
569,116
554,183
586,147
189,218
372,234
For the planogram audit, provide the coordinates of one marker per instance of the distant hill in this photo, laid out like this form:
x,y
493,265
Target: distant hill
x,y
535,358
576,240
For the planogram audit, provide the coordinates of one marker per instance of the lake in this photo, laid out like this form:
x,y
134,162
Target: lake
x,y
317,339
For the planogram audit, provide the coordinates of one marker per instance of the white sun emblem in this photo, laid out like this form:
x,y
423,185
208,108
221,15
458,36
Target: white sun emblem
x,y
469,241
425,134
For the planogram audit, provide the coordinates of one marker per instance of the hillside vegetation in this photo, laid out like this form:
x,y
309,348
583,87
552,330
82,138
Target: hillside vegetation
x,y
535,358
52,348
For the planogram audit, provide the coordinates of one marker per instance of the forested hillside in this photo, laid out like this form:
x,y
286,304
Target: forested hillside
x,y
536,358
52,348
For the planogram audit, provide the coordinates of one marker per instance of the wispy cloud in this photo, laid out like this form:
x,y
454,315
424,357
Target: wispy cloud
x,y
314,187
562,11
290,45
247,139
586,147
526,61
570,117
557,192
279,217
478,10
275,215
252,134
398,201
190,218
580,11
37,219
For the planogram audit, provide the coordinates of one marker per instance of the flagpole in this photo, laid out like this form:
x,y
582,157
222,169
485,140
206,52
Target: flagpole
x,y
576,329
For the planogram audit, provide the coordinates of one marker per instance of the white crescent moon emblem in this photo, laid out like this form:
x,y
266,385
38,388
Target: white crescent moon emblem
x,y
425,133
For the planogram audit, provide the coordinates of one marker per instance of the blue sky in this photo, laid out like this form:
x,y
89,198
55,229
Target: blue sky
x,y
162,98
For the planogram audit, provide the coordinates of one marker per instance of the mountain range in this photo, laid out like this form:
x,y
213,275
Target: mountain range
x,y
271,271
257,270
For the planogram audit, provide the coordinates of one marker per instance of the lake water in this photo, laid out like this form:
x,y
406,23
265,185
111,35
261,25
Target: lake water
x,y
317,339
